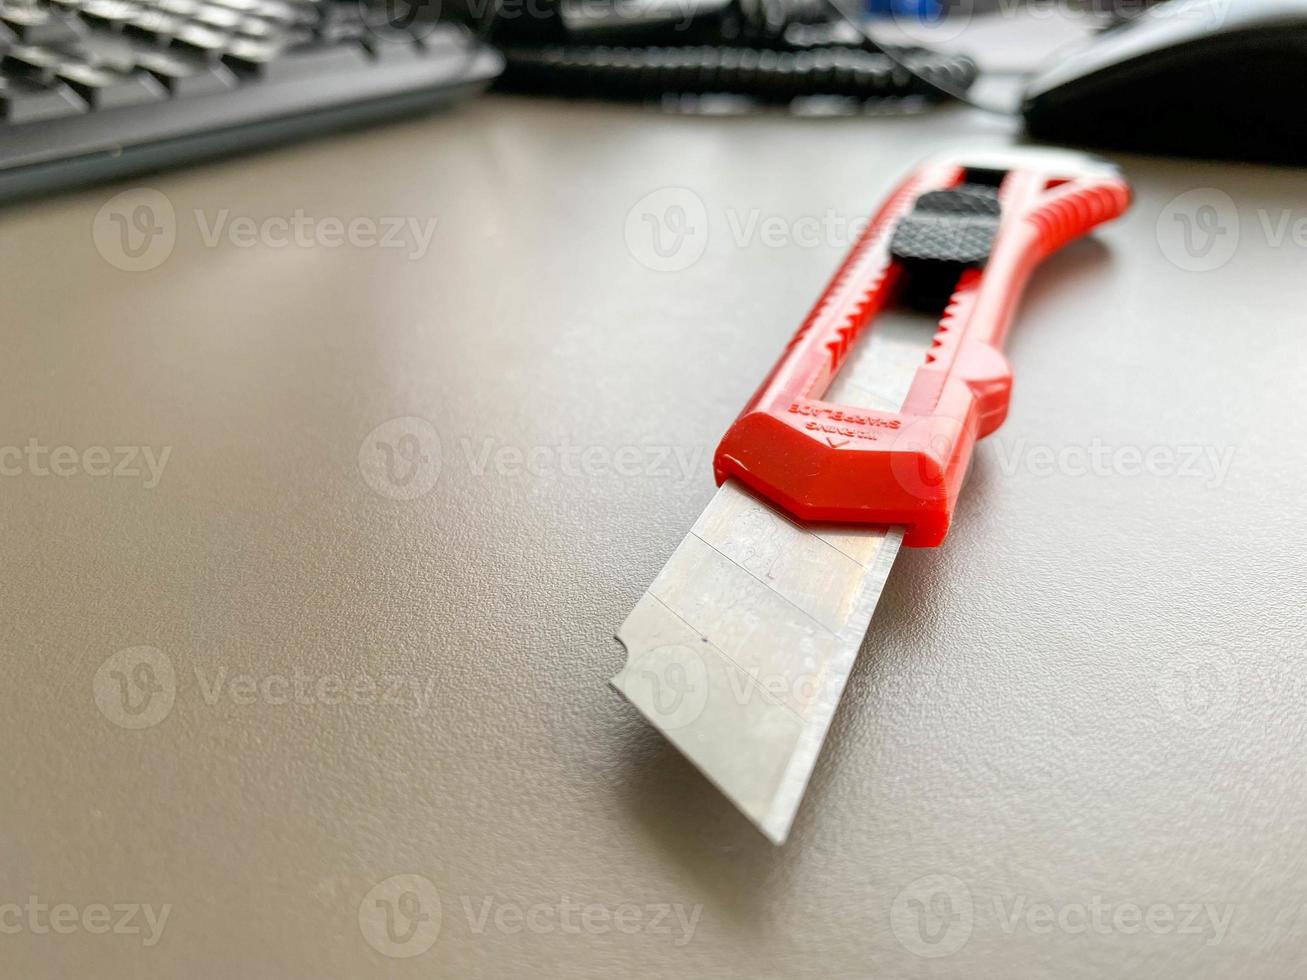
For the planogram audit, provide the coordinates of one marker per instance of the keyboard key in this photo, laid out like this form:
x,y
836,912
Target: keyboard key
x,y
185,75
256,27
31,61
105,89
341,22
215,16
314,60
37,25
251,56
444,38
206,40
25,101
392,50
110,12
281,12
154,25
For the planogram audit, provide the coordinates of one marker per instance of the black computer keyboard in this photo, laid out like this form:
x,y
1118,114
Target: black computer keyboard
x,y
92,89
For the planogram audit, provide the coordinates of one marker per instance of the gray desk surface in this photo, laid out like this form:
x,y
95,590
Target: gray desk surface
x,y
1073,745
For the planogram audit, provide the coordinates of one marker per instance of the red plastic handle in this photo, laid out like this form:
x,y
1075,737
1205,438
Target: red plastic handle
x,y
826,462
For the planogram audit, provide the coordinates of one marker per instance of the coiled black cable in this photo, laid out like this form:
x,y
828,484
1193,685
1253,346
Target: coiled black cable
x,y
767,74
773,51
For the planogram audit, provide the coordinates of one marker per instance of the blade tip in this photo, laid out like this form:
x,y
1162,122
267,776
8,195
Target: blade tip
x,y
774,826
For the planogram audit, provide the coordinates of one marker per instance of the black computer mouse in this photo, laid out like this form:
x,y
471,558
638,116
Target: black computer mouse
x,y
1223,79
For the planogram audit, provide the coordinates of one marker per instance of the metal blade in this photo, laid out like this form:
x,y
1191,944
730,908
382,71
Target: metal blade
x,y
740,649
